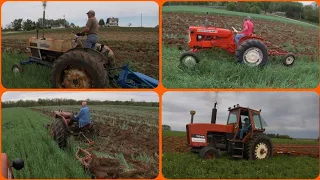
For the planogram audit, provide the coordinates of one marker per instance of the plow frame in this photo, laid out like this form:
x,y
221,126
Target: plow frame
x,y
84,155
285,150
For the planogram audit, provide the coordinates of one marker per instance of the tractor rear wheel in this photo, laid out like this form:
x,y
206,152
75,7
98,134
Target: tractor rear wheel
x,y
288,59
189,59
208,152
59,132
79,69
252,53
17,68
258,147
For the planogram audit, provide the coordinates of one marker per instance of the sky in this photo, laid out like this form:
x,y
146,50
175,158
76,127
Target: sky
x,y
112,96
290,113
75,12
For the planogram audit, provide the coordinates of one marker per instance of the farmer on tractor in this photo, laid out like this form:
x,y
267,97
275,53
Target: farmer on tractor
x,y
248,29
83,117
244,128
91,30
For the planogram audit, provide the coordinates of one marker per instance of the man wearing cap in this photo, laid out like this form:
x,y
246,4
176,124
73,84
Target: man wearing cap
x,y
84,115
91,30
247,29
244,128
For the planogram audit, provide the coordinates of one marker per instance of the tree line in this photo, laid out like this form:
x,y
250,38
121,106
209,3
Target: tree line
x,y
29,25
57,102
294,10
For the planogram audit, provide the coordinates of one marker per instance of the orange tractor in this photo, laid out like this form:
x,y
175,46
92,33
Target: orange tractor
x,y
251,50
242,137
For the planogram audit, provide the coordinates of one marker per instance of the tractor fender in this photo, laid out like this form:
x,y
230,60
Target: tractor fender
x,y
250,37
61,118
90,51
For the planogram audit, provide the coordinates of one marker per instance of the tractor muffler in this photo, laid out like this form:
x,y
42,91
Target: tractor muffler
x,y
192,114
214,114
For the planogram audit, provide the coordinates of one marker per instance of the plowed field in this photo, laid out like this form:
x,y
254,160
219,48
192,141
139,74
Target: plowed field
x,y
296,38
127,145
178,144
138,46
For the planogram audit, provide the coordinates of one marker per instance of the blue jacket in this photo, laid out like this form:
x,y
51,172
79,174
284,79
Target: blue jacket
x,y
84,116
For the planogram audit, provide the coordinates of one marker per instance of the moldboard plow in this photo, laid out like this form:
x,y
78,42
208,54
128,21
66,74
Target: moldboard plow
x,y
297,150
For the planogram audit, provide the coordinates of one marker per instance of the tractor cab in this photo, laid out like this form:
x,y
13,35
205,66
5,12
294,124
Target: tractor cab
x,y
246,121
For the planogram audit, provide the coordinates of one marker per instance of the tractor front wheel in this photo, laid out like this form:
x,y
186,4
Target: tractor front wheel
x,y
252,53
17,68
189,59
79,69
259,147
288,59
59,132
209,152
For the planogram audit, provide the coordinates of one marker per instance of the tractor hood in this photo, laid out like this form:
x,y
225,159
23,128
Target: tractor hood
x,y
63,114
210,31
197,132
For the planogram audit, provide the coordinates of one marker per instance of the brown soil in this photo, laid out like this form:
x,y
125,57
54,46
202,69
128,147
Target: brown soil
x,y
304,40
131,142
141,48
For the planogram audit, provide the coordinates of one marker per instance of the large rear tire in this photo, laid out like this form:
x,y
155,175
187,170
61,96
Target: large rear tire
x,y
79,69
59,132
258,147
252,53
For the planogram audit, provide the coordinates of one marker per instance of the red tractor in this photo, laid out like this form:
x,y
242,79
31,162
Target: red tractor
x,y
251,50
208,139
17,164
64,125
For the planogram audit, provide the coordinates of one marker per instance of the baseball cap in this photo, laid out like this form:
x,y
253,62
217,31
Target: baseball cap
x,y
91,11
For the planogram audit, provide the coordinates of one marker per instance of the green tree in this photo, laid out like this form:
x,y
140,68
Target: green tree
x,y
17,24
101,22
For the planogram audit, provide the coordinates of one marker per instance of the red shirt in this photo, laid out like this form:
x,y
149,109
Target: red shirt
x,y
249,25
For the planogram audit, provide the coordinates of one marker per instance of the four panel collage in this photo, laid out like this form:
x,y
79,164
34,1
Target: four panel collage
x,y
105,90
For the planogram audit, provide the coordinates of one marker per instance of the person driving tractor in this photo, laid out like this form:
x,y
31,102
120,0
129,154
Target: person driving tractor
x,y
91,30
83,117
245,127
248,28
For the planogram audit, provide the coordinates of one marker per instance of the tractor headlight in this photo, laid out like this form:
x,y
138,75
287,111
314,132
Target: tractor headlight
x,y
199,37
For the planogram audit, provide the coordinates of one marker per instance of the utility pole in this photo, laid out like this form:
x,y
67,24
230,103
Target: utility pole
x,y
44,4
64,17
141,20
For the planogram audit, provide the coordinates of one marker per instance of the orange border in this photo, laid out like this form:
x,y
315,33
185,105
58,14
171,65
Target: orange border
x,y
160,89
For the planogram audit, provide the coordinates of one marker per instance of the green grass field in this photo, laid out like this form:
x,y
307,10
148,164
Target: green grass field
x,y
33,75
222,71
188,165
24,136
219,69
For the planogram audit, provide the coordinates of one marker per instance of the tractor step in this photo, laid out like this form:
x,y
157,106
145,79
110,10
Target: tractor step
x,y
237,156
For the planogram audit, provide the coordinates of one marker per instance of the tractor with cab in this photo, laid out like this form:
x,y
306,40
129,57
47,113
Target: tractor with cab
x,y
209,139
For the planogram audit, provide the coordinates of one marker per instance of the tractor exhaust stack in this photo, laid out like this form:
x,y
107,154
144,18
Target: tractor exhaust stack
x,y
214,114
192,114
206,23
44,4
